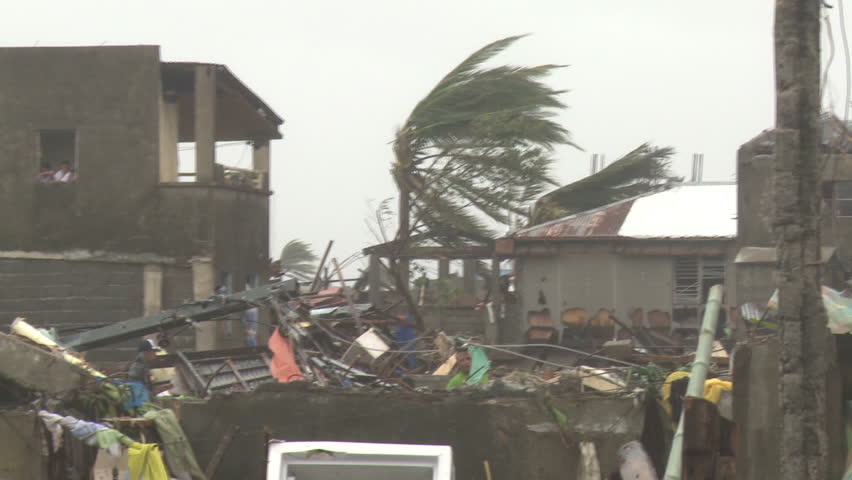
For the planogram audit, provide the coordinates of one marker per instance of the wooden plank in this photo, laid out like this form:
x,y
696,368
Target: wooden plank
x,y
447,366
700,439
194,377
220,451
237,373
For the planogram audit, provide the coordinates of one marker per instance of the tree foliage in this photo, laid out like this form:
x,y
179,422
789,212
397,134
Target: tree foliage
x,y
644,169
298,260
477,146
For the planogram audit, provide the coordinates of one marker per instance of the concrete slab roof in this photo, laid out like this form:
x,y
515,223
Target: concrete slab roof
x,y
182,73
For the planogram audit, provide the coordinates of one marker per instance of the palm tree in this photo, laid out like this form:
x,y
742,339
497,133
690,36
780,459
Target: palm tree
x,y
298,260
476,147
644,169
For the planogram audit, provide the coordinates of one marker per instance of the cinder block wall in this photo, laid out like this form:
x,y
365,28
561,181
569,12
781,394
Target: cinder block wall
x,y
74,295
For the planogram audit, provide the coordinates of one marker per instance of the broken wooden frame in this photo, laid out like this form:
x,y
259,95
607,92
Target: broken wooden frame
x,y
469,254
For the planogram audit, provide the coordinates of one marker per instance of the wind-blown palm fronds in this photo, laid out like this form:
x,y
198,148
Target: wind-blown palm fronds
x,y
298,260
644,169
476,147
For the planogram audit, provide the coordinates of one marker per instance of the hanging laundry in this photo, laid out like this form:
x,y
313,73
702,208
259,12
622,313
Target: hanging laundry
x,y
145,462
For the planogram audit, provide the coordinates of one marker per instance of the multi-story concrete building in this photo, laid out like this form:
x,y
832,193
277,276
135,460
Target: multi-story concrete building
x,y
123,232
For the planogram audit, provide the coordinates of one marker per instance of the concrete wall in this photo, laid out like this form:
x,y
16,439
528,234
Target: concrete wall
x,y
69,295
757,412
230,225
755,196
629,286
21,446
754,191
570,281
645,283
109,95
513,433
755,282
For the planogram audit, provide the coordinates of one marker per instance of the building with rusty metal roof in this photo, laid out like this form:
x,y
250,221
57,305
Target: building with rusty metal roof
x,y
646,262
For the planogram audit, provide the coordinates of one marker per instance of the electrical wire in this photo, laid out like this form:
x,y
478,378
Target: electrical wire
x,y
830,57
848,62
220,145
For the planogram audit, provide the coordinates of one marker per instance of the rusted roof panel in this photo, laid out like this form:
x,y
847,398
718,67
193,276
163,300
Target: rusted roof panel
x,y
602,222
686,211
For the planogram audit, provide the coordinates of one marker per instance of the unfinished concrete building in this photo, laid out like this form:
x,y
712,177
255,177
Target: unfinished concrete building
x,y
124,233
756,260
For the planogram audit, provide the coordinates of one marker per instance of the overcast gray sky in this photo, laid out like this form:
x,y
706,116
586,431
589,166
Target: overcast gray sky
x,y
694,75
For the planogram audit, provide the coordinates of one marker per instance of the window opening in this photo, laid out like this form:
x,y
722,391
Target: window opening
x,y
186,162
57,156
843,199
694,276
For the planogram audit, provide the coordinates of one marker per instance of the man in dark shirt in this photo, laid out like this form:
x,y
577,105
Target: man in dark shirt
x,y
139,370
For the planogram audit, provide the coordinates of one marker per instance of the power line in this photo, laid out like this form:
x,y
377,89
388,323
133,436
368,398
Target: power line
x,y
830,57
848,62
218,145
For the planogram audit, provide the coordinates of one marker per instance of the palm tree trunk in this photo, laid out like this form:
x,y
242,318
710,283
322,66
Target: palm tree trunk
x,y
399,266
806,346
404,232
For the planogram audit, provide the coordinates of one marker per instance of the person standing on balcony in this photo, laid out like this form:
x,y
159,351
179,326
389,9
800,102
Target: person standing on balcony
x,y
64,174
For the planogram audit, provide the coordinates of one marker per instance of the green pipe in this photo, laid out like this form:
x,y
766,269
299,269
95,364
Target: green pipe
x,y
700,366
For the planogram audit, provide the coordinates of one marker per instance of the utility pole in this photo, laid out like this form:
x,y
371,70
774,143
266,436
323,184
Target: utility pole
x,y
807,349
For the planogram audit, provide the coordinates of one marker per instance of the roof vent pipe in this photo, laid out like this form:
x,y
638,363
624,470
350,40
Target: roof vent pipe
x,y
697,167
598,162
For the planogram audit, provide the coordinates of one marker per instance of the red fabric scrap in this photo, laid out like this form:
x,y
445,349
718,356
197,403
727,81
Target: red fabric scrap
x,y
283,365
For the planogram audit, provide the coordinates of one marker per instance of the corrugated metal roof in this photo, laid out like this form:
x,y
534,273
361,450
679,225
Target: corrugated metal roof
x,y
686,211
600,222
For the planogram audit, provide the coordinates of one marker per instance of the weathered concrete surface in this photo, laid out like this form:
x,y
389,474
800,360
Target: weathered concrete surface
x,y
513,433
20,446
37,369
758,415
586,277
109,96
71,295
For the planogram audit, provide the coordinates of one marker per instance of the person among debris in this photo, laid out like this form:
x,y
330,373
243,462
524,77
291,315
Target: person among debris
x,y
64,174
472,366
139,370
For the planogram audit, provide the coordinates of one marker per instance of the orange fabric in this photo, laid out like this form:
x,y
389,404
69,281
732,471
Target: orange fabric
x,y
283,365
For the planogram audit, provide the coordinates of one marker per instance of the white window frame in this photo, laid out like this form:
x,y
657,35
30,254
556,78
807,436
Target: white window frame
x,y
281,454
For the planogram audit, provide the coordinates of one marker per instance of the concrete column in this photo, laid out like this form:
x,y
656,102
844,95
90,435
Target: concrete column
x,y
203,283
205,123
469,276
443,268
168,141
260,160
374,278
152,285
260,155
